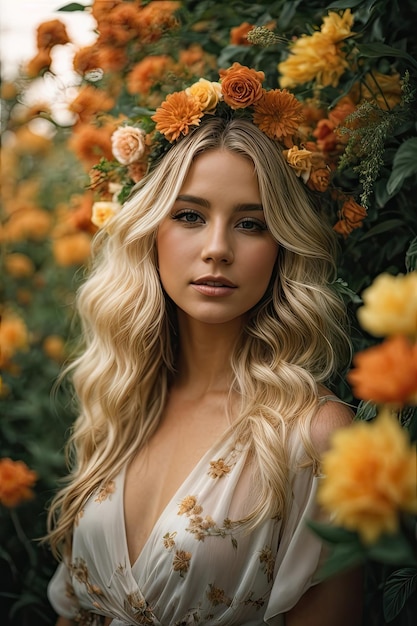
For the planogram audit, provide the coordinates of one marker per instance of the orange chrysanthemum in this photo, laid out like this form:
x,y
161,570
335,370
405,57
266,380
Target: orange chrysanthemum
x,y
16,480
176,114
241,86
278,113
386,373
90,143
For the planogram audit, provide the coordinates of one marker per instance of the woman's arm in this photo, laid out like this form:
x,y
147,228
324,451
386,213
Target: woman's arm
x,y
337,600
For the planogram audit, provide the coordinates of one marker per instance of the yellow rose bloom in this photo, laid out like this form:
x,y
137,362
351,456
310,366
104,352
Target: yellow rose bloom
x,y
208,93
300,160
390,306
369,477
102,212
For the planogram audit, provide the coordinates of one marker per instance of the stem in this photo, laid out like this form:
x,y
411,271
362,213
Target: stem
x,y
22,537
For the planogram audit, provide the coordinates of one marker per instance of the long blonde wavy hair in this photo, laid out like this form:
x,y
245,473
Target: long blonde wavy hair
x,y
294,338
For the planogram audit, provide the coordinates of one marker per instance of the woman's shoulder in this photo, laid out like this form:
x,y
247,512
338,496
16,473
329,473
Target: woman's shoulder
x,y
332,414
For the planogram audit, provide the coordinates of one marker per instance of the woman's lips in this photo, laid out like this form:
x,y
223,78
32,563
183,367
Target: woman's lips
x,y
214,287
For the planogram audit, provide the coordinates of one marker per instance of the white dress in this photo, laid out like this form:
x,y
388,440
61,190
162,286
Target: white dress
x,y
197,566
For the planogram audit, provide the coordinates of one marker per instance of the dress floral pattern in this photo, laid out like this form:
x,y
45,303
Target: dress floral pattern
x,y
199,565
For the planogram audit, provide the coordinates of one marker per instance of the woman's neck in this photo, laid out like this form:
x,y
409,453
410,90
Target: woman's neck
x,y
204,356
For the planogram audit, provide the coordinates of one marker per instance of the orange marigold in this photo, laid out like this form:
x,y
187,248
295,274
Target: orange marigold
x,y
147,72
176,114
90,143
86,59
14,337
40,62
89,102
239,34
50,34
73,249
241,86
278,113
386,372
16,480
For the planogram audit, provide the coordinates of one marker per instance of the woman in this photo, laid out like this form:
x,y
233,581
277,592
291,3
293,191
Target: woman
x,y
210,332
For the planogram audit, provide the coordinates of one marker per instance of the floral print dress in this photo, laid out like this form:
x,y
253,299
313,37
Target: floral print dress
x,y
198,565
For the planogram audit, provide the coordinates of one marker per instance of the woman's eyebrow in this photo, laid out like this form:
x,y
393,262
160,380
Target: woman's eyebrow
x,y
241,207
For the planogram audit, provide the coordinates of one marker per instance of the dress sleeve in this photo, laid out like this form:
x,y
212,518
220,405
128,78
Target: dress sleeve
x,y
61,595
300,551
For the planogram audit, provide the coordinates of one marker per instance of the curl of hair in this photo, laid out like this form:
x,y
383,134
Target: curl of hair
x,y
294,338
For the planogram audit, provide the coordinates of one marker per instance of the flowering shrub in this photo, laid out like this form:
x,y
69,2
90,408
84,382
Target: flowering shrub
x,y
369,487
346,78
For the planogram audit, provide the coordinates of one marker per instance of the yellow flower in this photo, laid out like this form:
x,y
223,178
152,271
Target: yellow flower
x,y
369,477
390,305
102,212
337,27
313,58
300,160
207,93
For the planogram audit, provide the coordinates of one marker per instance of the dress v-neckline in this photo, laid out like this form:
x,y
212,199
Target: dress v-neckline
x,y
218,445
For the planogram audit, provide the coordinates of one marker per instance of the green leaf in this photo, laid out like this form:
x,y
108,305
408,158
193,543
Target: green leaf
x,y
399,586
342,556
73,6
404,165
392,549
366,411
345,291
411,256
333,534
383,227
376,50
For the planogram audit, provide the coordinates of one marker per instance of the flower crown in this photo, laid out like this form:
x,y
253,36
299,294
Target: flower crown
x,y
239,93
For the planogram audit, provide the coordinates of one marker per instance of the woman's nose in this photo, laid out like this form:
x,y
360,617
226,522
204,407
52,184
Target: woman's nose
x,y
217,245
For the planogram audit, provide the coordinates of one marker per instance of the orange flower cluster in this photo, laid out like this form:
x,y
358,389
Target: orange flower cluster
x,y
16,480
387,373
48,35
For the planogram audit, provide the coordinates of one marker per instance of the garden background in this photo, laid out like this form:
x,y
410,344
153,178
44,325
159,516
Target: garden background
x,y
357,82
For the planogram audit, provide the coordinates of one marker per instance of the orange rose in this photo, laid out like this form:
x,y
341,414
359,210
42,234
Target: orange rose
x,y
15,482
320,173
241,86
351,216
386,372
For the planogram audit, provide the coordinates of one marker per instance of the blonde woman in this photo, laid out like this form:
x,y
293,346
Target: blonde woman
x,y
210,334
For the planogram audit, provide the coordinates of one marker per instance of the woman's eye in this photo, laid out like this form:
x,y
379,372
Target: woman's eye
x,y
252,225
188,217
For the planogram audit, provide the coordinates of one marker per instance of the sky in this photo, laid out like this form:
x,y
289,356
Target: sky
x,y
18,22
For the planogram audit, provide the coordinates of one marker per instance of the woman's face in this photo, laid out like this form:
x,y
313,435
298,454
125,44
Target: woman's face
x,y
215,253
